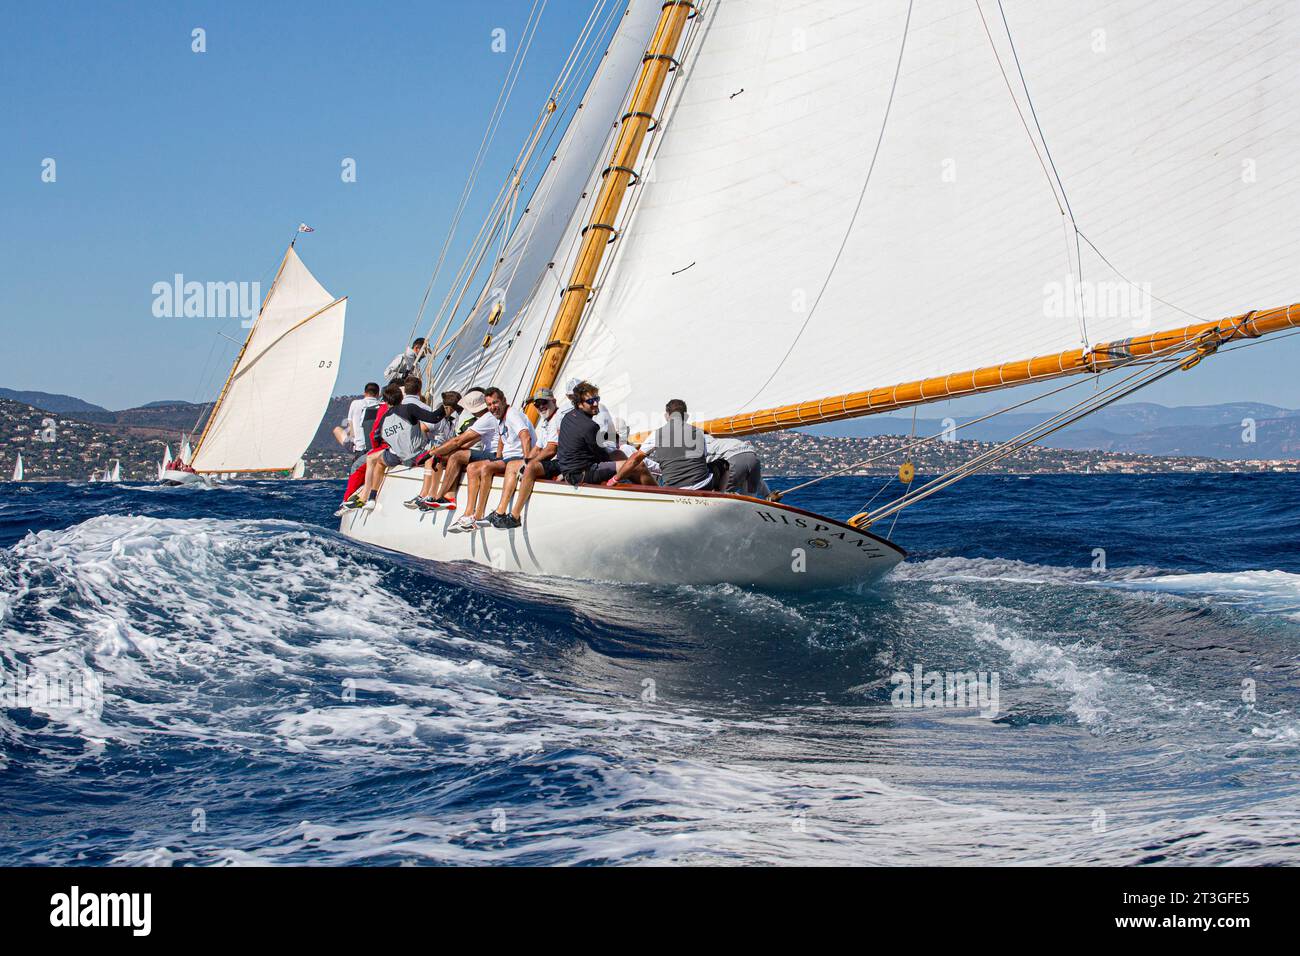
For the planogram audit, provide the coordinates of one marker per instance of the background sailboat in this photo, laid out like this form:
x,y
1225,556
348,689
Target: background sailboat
x,y
279,386
807,211
18,468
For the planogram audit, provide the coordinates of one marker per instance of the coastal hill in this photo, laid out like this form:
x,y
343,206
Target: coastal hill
x,y
90,437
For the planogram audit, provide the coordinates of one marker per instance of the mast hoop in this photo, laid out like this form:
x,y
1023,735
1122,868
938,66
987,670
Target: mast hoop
x,y
695,11
638,114
635,179
674,63
613,233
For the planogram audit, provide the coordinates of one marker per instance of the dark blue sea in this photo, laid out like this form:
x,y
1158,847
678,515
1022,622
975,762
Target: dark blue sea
x,y
217,677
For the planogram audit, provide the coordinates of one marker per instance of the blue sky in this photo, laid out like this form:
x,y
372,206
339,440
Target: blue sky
x,y
170,161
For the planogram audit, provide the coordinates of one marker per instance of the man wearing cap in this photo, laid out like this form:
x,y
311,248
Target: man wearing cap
x,y
541,464
438,434
478,429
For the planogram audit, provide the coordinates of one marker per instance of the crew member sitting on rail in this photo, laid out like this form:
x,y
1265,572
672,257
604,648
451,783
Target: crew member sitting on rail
x,y
515,440
478,429
579,454
350,434
402,432
411,388
744,469
680,449
433,466
541,463
606,430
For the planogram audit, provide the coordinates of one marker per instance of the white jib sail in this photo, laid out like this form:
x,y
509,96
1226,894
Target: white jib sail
x,y
535,265
281,382
18,468
769,260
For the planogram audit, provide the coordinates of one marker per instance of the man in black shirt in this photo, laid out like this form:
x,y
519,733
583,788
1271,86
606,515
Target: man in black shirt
x,y
581,458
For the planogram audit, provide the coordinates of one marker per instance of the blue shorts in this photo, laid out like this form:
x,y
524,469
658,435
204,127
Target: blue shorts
x,y
481,454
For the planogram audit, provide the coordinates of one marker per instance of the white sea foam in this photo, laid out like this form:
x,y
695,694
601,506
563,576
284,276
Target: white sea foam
x,y
1272,592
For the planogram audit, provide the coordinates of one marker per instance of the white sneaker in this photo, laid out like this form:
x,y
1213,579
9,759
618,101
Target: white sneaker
x,y
464,523
371,505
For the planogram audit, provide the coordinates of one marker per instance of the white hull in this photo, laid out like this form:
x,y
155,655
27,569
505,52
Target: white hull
x,y
172,476
636,535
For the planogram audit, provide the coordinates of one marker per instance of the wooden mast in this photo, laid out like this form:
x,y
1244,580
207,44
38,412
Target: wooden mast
x,y
1201,338
600,232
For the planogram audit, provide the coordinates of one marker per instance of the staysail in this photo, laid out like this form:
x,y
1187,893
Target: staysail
x,y
272,403
851,196
519,297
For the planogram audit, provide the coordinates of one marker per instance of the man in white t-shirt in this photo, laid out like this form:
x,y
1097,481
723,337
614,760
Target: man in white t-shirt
x,y
541,464
474,441
514,443
351,434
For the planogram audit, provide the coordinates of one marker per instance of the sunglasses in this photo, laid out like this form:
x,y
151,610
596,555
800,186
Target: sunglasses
x,y
594,400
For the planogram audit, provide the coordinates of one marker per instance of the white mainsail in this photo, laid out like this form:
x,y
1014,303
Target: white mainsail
x,y
767,259
299,469
18,468
280,385
535,265
115,472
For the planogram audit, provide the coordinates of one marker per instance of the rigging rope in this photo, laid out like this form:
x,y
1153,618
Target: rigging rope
x,y
500,215
1074,223
498,110
1169,361
884,122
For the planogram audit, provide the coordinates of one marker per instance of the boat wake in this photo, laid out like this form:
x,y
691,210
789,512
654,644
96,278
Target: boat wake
x,y
306,700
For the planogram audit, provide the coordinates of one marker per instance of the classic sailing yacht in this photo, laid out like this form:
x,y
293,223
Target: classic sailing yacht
x,y
788,212
272,402
18,468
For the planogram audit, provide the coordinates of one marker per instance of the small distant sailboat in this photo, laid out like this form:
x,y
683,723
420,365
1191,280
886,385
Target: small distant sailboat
x,y
18,468
277,390
114,472
299,469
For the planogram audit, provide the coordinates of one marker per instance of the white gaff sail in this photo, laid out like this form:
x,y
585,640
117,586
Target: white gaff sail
x,y
18,468
280,385
806,226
